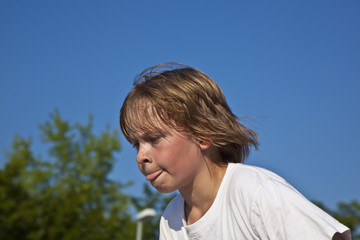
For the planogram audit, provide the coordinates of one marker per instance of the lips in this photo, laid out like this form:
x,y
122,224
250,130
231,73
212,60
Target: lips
x,y
154,175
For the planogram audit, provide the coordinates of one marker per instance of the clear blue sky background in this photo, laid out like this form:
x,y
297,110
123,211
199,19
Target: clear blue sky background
x,y
294,66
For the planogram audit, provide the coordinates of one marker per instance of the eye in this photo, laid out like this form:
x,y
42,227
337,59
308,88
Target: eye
x,y
136,145
154,139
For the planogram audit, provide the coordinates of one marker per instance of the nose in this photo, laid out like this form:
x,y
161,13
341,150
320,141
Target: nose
x,y
143,154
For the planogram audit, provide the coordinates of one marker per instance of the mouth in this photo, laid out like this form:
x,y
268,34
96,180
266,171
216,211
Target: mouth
x,y
154,175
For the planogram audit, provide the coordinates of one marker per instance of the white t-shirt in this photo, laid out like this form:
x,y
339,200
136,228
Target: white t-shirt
x,y
252,203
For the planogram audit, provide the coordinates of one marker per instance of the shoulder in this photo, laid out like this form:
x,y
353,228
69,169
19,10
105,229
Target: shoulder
x,y
254,173
275,208
241,187
249,180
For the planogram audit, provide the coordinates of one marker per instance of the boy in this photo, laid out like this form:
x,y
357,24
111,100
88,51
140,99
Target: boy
x,y
189,140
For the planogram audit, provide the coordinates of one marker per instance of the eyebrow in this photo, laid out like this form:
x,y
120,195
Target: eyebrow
x,y
147,134
152,133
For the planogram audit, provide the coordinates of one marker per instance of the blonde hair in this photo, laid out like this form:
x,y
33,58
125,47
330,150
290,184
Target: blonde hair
x,y
189,101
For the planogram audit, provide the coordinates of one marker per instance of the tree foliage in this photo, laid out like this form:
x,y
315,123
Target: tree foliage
x,y
68,195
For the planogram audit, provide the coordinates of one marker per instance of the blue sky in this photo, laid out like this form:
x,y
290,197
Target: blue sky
x,y
291,67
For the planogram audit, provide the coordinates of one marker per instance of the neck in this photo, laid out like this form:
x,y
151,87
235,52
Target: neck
x,y
201,194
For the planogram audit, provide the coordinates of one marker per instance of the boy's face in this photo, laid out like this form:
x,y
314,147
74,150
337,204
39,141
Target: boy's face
x,y
169,159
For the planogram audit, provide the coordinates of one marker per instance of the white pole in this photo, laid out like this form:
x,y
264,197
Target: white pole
x,y
145,214
139,228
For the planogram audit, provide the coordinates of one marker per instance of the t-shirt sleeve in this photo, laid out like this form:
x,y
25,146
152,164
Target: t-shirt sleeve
x,y
281,212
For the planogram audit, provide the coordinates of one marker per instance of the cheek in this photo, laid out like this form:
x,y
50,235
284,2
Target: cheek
x,y
180,158
140,166
166,158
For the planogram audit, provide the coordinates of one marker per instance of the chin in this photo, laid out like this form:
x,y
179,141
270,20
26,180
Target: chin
x,y
164,189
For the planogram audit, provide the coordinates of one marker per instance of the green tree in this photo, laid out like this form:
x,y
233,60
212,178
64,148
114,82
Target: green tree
x,y
67,195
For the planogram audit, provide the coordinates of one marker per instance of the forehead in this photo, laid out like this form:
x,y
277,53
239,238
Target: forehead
x,y
147,126
142,117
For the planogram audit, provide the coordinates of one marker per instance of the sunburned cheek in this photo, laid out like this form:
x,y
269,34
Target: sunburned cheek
x,y
177,155
172,157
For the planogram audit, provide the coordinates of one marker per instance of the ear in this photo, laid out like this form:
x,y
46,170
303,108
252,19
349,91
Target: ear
x,y
205,144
